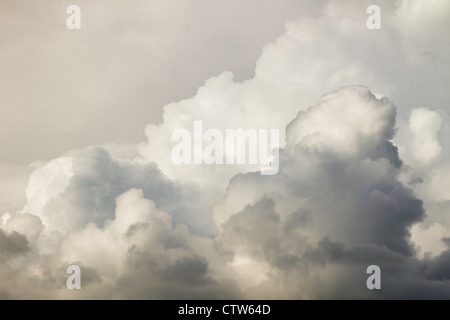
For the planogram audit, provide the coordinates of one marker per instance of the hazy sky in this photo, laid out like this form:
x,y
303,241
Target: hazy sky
x,y
86,175
113,77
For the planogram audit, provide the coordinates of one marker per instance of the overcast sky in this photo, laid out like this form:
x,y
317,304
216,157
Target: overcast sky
x,y
86,118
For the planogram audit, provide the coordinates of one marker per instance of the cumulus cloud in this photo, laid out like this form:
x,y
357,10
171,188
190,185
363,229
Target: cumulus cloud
x,y
138,242
350,192
69,192
336,207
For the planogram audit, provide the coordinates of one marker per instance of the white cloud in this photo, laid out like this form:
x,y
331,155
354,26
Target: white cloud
x,y
424,125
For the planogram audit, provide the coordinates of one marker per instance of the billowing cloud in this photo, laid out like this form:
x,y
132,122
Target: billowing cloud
x,y
69,192
336,207
362,180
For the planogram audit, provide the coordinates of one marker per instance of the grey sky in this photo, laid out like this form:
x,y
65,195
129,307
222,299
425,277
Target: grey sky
x,y
62,89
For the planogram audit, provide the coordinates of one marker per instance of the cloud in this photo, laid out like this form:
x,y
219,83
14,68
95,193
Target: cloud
x,y
424,125
350,192
309,231
138,242
336,207
69,192
316,54
141,243
425,153
12,244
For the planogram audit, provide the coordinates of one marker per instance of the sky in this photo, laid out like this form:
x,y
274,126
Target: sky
x,y
87,175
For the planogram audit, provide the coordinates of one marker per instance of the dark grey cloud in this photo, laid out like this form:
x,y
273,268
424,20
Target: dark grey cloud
x,y
187,277
12,244
403,277
438,268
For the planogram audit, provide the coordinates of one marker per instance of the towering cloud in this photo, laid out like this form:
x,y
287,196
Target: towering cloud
x,y
335,207
362,180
